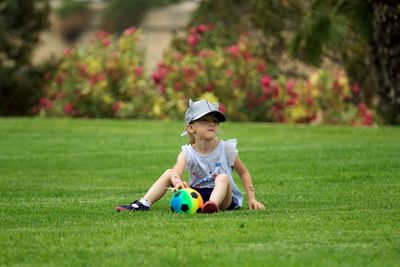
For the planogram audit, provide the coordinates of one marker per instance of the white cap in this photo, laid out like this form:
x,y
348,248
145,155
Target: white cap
x,y
200,108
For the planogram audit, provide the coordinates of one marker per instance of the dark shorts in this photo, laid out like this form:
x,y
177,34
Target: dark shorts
x,y
206,193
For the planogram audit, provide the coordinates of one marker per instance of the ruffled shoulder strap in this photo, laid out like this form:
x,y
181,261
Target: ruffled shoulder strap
x,y
231,151
188,155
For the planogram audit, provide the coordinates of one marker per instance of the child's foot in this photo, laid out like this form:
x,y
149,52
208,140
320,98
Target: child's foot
x,y
134,206
210,207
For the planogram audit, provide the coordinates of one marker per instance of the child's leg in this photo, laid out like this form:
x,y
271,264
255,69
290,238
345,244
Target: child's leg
x,y
158,189
222,193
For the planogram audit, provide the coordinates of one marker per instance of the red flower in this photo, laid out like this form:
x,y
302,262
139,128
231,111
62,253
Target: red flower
x,y
355,88
192,40
362,108
204,53
101,76
275,90
290,86
68,108
178,86
139,71
229,72
261,67
68,51
45,103
221,108
129,31
265,80
159,75
106,42
292,102
336,85
234,50
201,28
101,35
117,106
209,87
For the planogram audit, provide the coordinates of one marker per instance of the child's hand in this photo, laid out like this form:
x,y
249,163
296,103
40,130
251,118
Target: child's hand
x,y
180,185
254,204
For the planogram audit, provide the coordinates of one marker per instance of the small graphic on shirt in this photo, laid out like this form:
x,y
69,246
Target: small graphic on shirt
x,y
211,177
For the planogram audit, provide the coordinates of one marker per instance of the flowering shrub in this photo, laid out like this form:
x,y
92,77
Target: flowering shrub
x,y
239,80
106,79
103,79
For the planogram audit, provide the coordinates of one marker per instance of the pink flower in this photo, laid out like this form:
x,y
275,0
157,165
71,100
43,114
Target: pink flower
x,y
367,118
229,72
117,106
68,108
193,30
45,103
68,51
162,88
101,35
204,53
129,31
234,50
101,77
290,86
93,80
201,28
139,71
292,102
106,42
275,90
192,40
159,75
178,56
362,108
247,56
261,68
265,80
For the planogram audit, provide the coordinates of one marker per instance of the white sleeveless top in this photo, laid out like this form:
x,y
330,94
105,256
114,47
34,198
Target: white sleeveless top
x,y
203,169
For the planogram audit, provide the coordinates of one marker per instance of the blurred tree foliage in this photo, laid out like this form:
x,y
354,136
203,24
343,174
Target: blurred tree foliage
x,y
361,36
122,14
386,55
229,19
364,36
21,22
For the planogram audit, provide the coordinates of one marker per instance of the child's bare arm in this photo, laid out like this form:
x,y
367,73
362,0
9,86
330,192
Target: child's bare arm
x,y
177,171
245,176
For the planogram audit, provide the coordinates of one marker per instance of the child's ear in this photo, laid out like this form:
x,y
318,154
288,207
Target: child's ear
x,y
189,128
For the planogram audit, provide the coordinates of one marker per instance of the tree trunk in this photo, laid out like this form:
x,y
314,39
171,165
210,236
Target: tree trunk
x,y
386,54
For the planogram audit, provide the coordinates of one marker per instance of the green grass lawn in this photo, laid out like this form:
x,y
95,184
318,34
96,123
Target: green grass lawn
x,y
332,195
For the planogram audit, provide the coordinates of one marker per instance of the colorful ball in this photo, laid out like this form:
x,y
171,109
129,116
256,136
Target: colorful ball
x,y
186,200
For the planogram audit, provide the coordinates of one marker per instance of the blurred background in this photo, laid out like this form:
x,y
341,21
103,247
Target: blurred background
x,y
289,61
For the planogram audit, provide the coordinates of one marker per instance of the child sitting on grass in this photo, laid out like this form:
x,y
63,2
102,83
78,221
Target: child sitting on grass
x,y
209,162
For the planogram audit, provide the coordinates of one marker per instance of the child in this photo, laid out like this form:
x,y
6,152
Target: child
x,y
209,162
